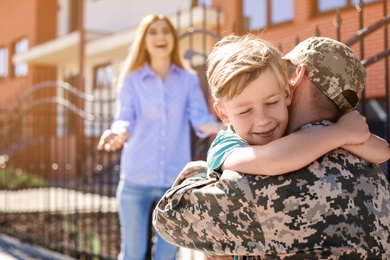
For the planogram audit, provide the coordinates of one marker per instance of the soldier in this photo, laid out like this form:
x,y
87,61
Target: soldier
x,y
337,206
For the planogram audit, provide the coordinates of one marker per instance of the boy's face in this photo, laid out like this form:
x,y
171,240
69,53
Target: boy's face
x,y
259,113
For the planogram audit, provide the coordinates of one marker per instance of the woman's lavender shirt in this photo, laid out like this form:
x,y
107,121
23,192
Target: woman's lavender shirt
x,y
157,113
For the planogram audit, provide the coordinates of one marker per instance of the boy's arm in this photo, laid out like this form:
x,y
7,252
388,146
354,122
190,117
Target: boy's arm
x,y
375,150
298,149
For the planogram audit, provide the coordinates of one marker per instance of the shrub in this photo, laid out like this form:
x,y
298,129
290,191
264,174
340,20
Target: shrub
x,y
17,179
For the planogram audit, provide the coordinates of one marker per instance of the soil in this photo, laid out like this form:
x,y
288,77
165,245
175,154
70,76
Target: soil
x,y
79,235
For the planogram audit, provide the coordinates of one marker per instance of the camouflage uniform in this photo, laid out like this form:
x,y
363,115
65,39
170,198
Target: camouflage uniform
x,y
337,207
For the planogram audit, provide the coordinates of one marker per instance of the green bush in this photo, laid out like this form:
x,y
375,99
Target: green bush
x,y
17,179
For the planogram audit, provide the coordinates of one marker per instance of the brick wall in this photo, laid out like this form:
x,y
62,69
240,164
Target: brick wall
x,y
34,20
306,21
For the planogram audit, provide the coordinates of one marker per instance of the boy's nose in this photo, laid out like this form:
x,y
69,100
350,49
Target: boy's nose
x,y
261,118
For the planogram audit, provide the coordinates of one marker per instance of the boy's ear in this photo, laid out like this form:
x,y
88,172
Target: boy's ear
x,y
221,113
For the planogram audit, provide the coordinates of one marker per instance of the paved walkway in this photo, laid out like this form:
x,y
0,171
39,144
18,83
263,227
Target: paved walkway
x,y
13,249
54,199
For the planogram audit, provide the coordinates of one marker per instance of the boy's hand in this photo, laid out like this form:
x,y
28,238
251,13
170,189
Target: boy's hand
x,y
354,127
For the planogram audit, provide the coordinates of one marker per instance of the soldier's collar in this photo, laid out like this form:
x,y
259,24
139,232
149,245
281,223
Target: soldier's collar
x,y
315,123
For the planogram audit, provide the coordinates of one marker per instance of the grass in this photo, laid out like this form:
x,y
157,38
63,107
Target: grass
x,y
17,179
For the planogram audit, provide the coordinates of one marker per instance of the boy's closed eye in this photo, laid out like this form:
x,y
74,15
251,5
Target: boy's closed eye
x,y
245,112
272,103
273,99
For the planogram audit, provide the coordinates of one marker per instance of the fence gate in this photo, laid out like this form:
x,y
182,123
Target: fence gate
x,y
56,189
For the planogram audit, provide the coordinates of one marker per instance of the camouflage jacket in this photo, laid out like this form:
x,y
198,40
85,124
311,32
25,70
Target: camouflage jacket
x,y
336,207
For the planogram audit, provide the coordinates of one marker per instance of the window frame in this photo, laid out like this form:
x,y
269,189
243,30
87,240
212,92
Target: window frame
x,y
108,81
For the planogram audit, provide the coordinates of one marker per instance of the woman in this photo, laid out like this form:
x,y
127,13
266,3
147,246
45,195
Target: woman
x,y
157,100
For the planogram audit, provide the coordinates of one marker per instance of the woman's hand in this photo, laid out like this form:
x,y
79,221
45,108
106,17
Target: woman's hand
x,y
110,141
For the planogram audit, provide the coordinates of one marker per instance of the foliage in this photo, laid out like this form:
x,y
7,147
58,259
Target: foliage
x,y
16,179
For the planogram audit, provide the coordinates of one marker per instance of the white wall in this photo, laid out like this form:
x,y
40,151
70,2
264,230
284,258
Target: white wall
x,y
115,15
63,17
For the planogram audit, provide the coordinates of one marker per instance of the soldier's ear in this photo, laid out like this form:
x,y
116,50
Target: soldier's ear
x,y
289,93
297,77
221,113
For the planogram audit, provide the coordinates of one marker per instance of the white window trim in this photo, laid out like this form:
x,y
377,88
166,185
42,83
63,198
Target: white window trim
x,y
3,62
21,68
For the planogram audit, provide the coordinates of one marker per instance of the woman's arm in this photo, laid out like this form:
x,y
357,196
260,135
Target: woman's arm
x,y
375,150
298,149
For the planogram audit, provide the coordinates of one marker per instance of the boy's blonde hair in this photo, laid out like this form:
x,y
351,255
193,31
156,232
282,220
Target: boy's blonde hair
x,y
236,61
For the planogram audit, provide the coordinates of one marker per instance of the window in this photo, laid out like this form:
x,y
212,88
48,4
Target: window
x,y
21,68
103,76
204,2
262,13
355,2
281,11
328,5
3,62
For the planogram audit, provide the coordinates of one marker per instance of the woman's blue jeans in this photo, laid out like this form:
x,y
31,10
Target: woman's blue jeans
x,y
134,210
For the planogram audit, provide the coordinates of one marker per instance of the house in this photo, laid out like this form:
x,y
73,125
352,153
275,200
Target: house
x,y
58,62
66,54
59,59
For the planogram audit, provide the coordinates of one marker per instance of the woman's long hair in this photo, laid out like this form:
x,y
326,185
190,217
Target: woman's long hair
x,y
138,55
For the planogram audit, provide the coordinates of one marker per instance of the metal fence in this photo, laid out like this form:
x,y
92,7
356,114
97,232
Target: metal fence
x,y
57,190
376,111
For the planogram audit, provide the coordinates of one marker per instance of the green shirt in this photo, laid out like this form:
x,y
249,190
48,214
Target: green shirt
x,y
225,143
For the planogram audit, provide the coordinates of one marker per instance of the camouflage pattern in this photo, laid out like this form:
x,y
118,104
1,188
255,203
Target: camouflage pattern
x,y
334,68
336,208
